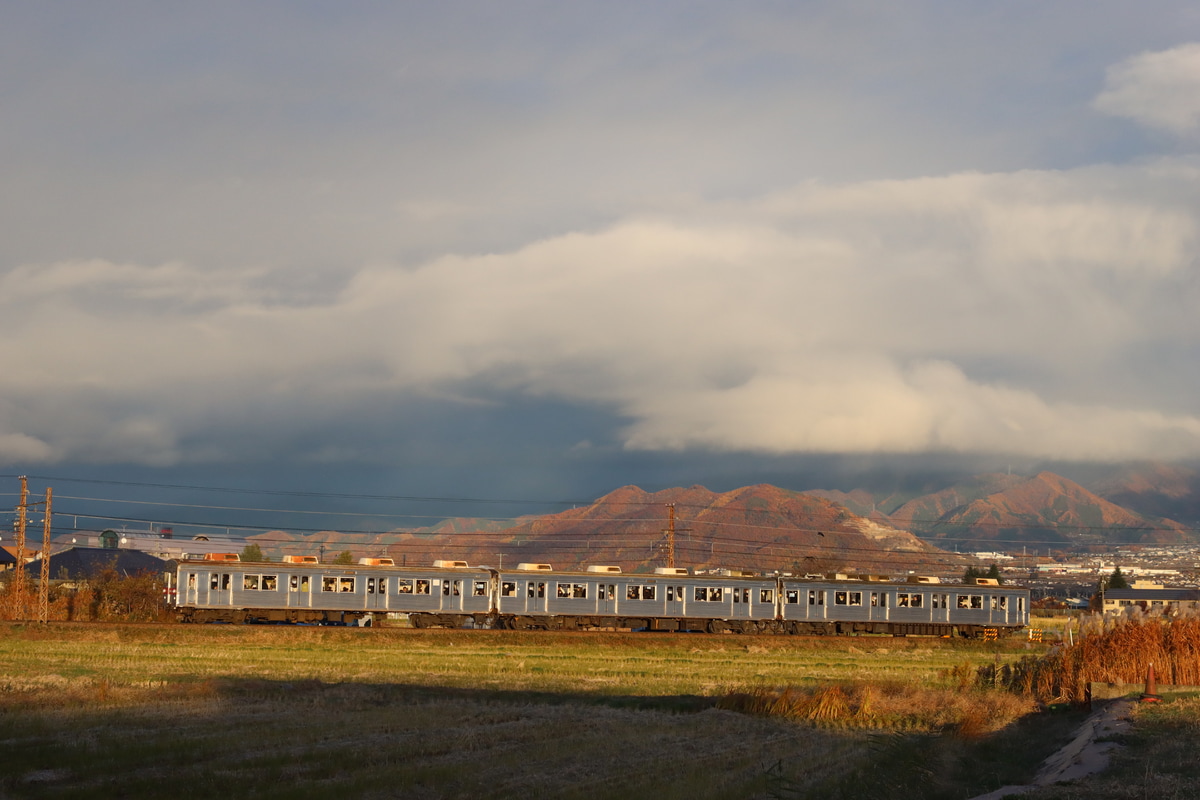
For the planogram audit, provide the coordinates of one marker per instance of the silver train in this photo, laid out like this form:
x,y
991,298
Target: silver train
x,y
535,597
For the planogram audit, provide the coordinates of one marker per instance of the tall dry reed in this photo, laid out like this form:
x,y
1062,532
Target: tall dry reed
x,y
1111,650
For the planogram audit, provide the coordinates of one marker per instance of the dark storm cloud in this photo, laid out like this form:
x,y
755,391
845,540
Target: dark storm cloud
x,y
523,248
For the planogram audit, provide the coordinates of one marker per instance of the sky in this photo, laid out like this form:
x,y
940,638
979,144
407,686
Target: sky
x,y
537,251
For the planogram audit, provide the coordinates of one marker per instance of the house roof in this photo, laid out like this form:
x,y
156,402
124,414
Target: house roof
x,y
1163,595
88,562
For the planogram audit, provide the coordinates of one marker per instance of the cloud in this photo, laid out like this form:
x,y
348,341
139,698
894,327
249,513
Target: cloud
x,y
1160,90
968,312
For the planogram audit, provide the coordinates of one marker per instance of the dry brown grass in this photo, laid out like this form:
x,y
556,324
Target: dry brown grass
x,y
1109,649
886,707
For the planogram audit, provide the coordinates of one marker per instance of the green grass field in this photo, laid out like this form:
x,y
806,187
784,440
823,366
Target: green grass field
x,y
230,711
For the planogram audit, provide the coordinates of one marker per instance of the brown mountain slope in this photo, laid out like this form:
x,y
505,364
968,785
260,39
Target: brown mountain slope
x,y
1153,489
932,507
1047,510
757,527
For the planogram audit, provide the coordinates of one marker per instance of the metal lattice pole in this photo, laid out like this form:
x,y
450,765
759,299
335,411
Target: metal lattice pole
x,y
19,569
44,585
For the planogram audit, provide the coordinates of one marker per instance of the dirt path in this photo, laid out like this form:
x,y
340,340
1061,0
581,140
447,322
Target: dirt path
x,y
1084,755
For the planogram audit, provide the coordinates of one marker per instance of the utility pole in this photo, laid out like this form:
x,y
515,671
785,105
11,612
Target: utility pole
x,y
19,570
44,585
670,531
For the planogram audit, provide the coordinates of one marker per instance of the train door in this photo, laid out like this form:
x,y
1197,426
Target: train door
x,y
1000,611
535,597
190,589
940,607
299,591
606,598
376,599
452,594
674,603
879,605
741,602
220,589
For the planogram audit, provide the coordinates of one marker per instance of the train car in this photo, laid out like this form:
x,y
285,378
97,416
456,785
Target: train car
x,y
535,596
922,606
240,591
669,599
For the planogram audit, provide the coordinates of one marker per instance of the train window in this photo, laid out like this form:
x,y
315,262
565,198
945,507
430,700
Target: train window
x,y
995,602
422,586
446,588
304,583
249,581
529,590
541,590
964,601
976,601
478,588
716,594
815,598
383,585
1003,602
509,588
405,586
456,588
856,598
191,581
226,581
293,583
328,583
839,598
647,592
701,593
671,594
883,599
370,586
563,589
737,595
346,584
766,596
915,600
901,600
1020,604
270,583
579,590
633,593
212,583
874,599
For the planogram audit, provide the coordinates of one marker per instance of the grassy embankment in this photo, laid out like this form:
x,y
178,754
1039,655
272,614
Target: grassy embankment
x,y
212,711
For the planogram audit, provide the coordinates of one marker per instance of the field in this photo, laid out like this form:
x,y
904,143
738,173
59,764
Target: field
x,y
208,711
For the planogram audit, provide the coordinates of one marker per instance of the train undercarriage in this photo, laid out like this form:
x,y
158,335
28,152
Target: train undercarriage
x,y
517,622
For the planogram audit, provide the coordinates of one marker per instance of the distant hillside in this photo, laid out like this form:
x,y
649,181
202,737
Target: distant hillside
x,y
1044,511
757,527
1154,490
930,508
996,511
